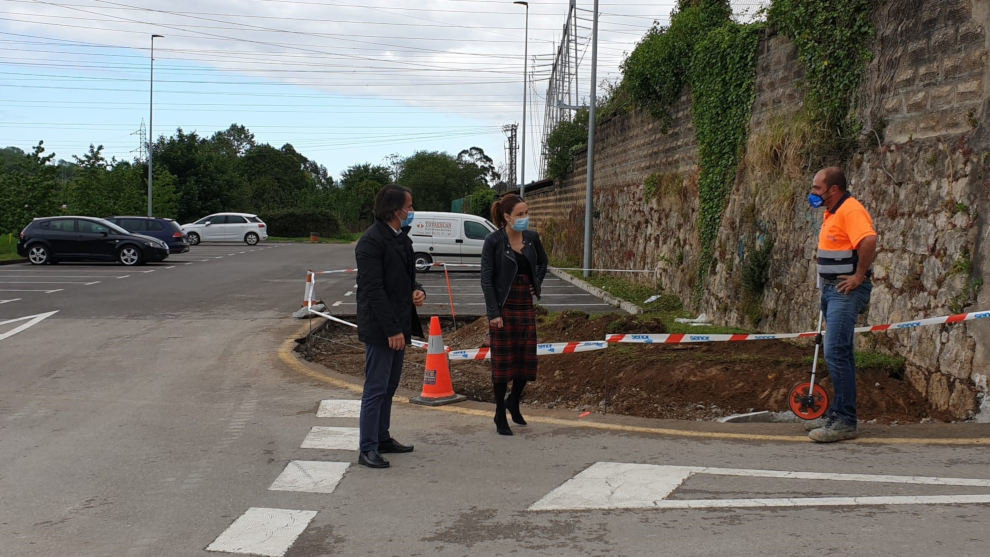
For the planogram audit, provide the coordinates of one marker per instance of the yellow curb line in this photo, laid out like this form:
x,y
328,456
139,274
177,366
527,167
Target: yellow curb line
x,y
289,357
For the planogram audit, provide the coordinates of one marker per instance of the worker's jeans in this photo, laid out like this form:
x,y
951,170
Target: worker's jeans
x,y
841,311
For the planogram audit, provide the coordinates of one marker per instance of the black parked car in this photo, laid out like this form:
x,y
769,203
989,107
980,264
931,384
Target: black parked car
x,y
166,230
53,239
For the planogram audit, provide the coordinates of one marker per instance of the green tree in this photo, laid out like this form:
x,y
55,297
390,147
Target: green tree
x,y
206,175
477,156
562,142
437,178
275,178
28,188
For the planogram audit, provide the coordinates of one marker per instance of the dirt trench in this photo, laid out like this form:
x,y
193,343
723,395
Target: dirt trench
x,y
677,381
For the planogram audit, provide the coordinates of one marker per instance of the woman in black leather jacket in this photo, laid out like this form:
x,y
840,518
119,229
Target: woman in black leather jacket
x,y
513,265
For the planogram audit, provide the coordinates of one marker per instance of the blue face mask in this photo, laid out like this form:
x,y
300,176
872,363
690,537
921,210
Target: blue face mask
x,y
408,220
521,224
815,200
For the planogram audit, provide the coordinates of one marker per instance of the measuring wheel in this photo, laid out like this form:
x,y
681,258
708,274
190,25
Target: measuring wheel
x,y
806,402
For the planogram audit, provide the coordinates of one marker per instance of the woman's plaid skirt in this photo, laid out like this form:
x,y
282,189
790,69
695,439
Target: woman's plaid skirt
x,y
513,347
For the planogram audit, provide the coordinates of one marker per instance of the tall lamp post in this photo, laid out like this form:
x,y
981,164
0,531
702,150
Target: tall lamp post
x,y
151,116
522,165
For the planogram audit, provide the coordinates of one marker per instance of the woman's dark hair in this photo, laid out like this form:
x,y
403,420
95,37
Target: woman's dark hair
x,y
504,207
390,199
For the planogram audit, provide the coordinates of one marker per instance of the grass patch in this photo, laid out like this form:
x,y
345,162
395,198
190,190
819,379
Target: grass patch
x,y
666,308
8,248
874,361
341,238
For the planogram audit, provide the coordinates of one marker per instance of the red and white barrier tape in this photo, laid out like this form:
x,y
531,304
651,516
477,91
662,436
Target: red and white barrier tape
x,y
678,338
414,342
541,350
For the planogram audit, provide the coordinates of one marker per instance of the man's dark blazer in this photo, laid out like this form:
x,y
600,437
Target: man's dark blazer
x,y
386,279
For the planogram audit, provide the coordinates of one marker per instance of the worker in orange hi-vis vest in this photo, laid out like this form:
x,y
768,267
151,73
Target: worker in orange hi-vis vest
x,y
847,245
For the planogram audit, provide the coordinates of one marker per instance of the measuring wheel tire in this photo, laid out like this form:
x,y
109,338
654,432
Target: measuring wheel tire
x,y
805,406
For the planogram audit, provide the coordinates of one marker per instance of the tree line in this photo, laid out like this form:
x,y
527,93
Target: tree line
x,y
229,171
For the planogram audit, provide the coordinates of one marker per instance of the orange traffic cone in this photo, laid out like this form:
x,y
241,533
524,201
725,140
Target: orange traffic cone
x,y
437,388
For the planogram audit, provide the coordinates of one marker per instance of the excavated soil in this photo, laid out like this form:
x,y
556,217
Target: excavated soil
x,y
677,381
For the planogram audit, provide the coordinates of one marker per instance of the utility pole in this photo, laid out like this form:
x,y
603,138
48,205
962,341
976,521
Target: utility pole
x,y
151,115
591,145
511,152
522,162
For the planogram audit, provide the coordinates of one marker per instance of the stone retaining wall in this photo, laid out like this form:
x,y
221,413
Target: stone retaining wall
x,y
922,169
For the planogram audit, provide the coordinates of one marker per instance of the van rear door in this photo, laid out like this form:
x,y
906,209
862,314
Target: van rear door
x,y
437,237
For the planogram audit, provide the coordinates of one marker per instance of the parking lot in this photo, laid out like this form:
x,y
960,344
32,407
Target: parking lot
x,y
463,297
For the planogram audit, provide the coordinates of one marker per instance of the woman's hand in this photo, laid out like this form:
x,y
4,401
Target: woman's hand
x,y
496,323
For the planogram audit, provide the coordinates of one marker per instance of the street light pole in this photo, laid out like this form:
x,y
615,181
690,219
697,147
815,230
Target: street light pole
x,y
151,116
522,165
589,187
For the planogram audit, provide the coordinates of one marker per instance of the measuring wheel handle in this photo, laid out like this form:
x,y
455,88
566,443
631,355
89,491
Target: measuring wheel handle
x,y
806,402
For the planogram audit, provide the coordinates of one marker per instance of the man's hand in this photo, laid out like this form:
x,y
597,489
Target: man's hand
x,y
397,342
419,298
496,323
848,283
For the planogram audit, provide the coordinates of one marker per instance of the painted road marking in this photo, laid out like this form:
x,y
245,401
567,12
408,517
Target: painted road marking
x,y
92,283
339,409
263,531
617,485
60,276
10,300
44,282
310,476
32,320
322,437
337,303
23,290
348,293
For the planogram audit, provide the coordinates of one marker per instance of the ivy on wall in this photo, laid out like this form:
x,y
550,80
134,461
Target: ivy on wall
x,y
833,44
723,73
656,70
702,47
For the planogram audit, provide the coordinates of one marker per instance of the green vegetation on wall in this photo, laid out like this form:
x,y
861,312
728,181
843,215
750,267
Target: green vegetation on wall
x,y
567,137
833,43
723,72
655,72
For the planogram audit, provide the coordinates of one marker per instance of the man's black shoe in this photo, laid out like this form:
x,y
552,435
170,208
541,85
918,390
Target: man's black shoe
x,y
372,459
393,446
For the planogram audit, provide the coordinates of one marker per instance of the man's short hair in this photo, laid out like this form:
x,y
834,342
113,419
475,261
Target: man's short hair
x,y
834,176
390,199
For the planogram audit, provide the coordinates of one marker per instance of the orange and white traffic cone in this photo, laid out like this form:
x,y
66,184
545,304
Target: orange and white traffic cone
x,y
437,388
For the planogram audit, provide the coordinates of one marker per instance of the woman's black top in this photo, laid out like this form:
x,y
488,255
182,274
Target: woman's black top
x,y
523,267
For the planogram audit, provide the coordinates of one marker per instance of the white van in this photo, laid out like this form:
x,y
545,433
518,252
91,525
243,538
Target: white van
x,y
447,238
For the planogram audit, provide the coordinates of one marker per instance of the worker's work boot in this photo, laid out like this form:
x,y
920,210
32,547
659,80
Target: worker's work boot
x,y
811,425
835,431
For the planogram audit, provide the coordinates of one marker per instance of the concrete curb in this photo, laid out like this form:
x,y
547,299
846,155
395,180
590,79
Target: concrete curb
x,y
13,261
624,424
628,307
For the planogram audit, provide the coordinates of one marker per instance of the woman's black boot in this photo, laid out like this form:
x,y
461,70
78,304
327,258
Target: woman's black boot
x,y
512,403
501,423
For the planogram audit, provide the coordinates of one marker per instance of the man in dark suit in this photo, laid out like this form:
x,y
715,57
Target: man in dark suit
x,y
387,296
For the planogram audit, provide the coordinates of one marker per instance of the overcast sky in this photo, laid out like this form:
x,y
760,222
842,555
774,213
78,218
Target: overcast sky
x,y
344,81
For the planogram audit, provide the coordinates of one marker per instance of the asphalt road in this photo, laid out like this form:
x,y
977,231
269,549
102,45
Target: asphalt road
x,y
155,412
